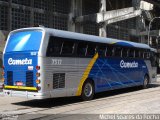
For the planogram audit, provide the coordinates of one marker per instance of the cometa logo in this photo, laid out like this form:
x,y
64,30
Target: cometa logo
x,y
19,62
128,64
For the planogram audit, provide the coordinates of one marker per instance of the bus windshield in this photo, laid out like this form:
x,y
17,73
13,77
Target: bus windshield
x,y
24,41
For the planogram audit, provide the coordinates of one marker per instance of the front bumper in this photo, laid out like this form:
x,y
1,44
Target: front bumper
x,y
26,94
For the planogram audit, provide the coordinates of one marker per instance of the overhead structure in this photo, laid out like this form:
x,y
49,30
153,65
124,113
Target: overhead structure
x,y
103,18
109,17
117,15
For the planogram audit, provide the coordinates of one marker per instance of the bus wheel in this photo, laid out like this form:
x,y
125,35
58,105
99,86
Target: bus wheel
x,y
87,91
145,82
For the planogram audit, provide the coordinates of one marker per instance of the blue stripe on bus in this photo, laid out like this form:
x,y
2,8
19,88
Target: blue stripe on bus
x,y
124,44
107,73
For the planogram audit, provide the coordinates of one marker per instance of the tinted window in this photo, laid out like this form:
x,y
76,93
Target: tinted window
x,y
54,46
125,52
91,49
118,51
146,54
102,50
60,46
110,51
137,53
132,53
81,48
68,47
141,53
24,41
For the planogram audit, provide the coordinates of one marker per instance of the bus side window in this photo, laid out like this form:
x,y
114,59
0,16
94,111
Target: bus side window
x,y
131,53
125,52
110,51
68,47
91,49
118,51
137,53
146,54
81,48
141,53
54,46
102,50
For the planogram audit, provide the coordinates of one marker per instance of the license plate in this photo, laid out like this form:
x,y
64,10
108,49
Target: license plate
x,y
19,83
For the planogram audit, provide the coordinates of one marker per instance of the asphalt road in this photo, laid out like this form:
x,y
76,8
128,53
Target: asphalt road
x,y
132,101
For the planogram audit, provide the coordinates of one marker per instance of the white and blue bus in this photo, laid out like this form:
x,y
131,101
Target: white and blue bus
x,y
43,63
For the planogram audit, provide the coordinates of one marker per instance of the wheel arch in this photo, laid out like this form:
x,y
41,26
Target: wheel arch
x,y
147,75
145,81
91,80
80,87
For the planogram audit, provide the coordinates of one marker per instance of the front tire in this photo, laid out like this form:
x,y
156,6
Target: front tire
x,y
145,82
88,91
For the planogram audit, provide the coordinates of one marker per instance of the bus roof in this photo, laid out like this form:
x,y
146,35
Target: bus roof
x,y
92,38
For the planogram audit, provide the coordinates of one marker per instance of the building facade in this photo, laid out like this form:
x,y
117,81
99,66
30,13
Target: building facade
x,y
62,14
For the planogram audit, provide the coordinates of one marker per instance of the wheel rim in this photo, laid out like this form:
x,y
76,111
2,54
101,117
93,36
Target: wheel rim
x,y
88,90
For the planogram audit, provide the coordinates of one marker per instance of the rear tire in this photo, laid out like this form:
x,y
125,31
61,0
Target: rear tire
x,y
145,82
88,91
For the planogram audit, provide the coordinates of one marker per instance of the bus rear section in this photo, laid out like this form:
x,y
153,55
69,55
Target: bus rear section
x,y
20,64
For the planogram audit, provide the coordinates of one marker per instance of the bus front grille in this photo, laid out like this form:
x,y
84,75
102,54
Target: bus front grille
x,y
9,78
58,80
29,79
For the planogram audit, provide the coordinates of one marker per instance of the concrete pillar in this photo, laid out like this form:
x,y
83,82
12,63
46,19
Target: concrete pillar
x,y
76,10
138,22
71,23
102,29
